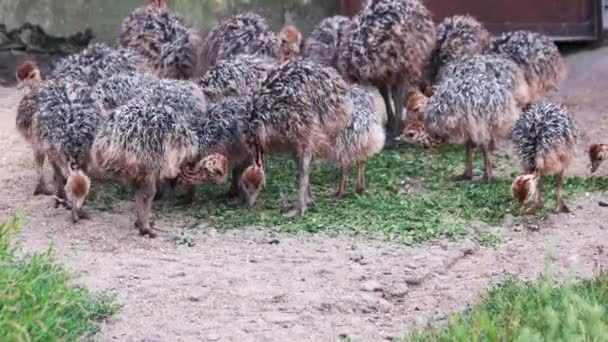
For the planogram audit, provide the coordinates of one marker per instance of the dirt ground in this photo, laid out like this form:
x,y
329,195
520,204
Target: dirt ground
x,y
258,285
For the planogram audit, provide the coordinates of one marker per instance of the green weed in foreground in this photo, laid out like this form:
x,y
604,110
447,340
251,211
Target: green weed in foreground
x,y
538,311
410,198
38,301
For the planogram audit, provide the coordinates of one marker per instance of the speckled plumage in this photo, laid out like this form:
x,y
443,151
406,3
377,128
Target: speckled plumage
x,y
387,40
118,89
539,58
321,46
544,138
474,107
457,36
246,33
169,44
502,69
241,75
97,62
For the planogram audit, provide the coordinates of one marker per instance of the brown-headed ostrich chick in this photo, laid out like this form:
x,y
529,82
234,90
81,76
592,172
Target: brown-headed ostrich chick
x,y
597,154
543,66
321,46
290,39
150,139
169,44
64,127
387,45
544,137
457,36
238,76
362,138
475,109
246,33
299,108
28,76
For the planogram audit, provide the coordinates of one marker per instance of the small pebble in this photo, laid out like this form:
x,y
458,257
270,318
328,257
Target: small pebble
x,y
371,286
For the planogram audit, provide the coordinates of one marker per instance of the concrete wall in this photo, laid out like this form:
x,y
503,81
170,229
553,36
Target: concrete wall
x,y
64,17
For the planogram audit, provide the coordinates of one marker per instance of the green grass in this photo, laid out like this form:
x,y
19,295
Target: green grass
x,y
410,198
539,311
38,302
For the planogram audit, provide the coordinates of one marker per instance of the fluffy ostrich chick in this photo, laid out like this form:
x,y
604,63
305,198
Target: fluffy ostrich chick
x,y
597,154
543,66
299,108
457,36
474,110
64,127
322,44
150,139
169,44
239,76
544,137
28,77
291,42
361,139
246,33
387,45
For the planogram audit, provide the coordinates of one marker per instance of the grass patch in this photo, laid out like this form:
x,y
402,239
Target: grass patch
x,y
410,198
516,311
38,301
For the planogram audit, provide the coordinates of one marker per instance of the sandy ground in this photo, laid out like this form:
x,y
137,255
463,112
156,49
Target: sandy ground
x,y
253,285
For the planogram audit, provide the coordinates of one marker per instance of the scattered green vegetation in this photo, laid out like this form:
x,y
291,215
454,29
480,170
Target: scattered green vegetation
x,y
409,198
539,311
486,238
38,301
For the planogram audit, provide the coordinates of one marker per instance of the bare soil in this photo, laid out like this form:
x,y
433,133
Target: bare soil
x,y
259,285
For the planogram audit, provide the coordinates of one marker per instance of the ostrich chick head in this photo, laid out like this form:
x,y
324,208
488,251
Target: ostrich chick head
x,y
212,167
160,4
414,131
524,188
597,154
76,190
252,183
291,42
28,76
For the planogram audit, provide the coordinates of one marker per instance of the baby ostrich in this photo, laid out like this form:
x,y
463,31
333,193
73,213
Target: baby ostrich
x,y
64,127
544,137
150,139
218,132
387,45
543,66
474,109
457,36
414,130
299,108
98,62
241,75
363,138
168,43
291,42
246,33
597,154
322,44
28,76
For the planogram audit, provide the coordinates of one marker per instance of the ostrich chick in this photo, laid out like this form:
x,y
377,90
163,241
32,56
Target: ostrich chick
x,y
322,44
298,110
597,154
544,138
457,36
239,76
363,138
28,77
414,130
387,45
246,33
65,127
291,42
151,139
169,44
474,110
543,66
